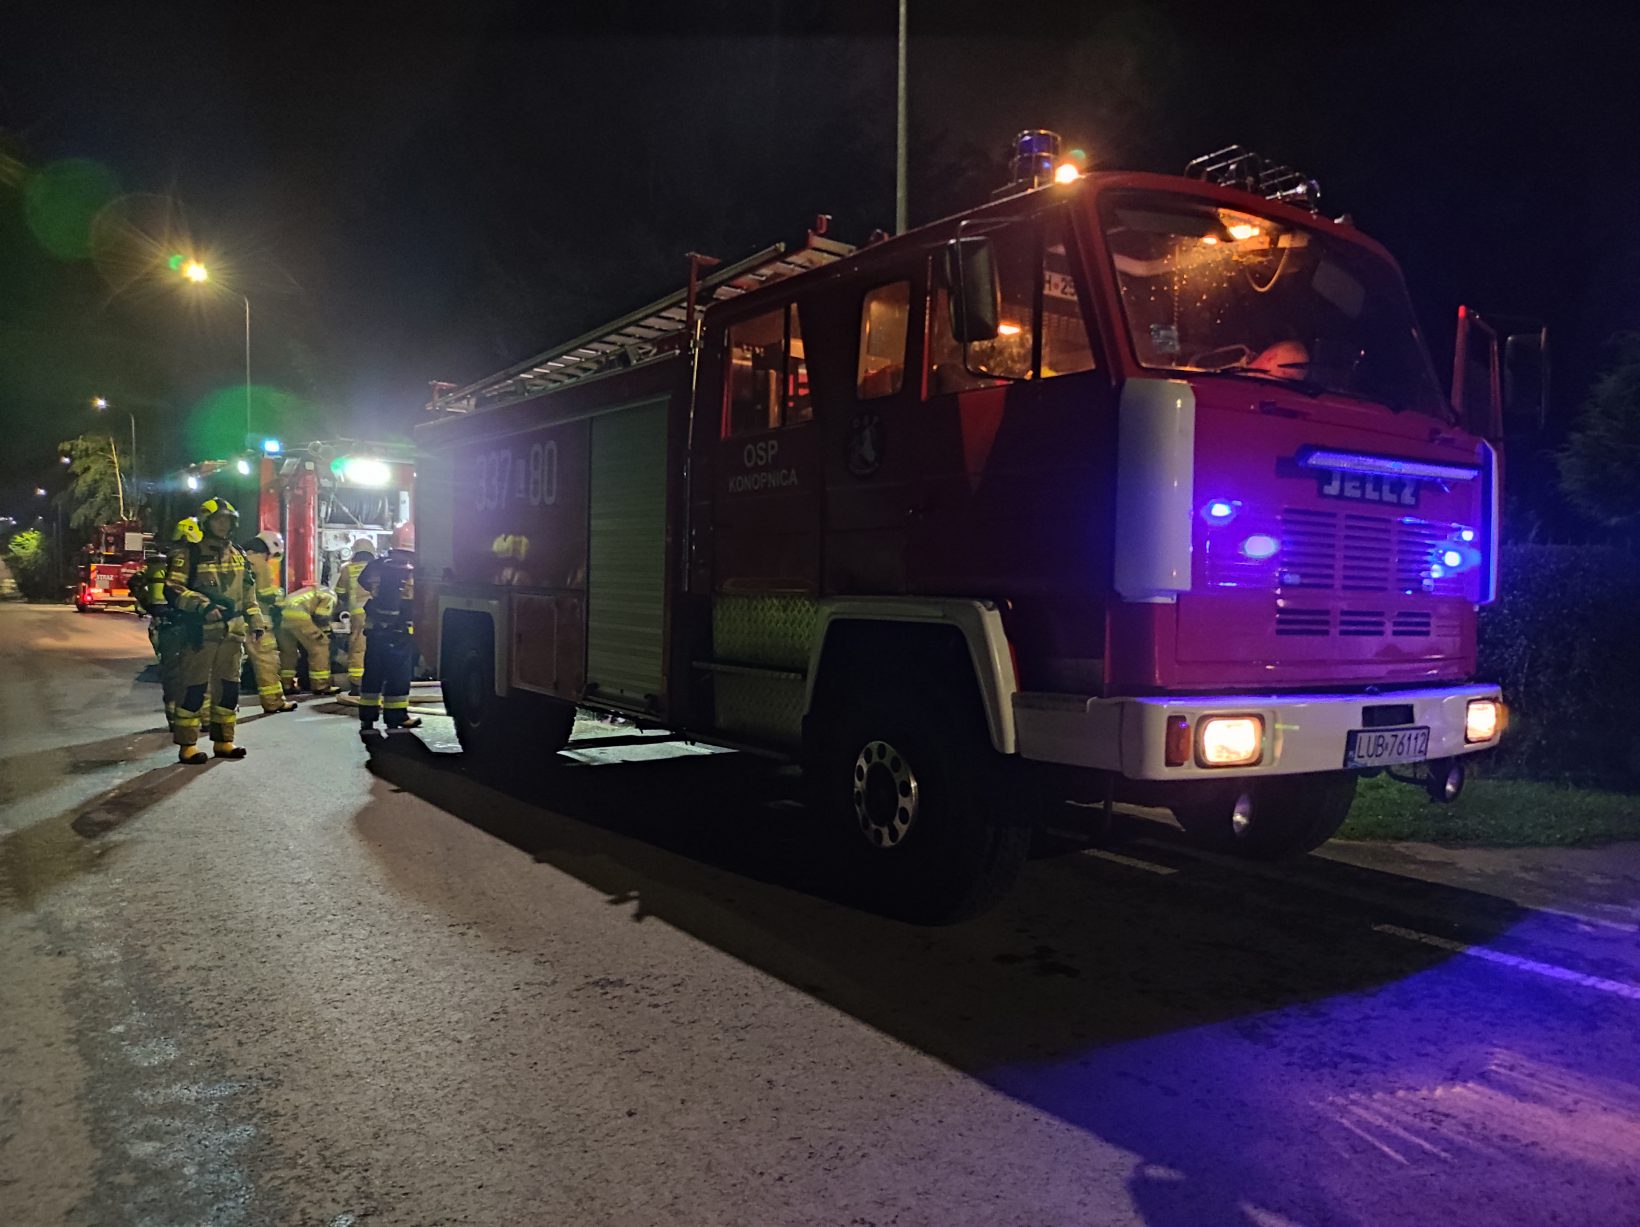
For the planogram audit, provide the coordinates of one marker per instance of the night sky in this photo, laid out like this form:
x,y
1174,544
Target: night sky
x,y
406,196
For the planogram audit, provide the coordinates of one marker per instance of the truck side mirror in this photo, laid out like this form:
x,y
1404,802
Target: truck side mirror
x,y
1526,382
976,298
1476,387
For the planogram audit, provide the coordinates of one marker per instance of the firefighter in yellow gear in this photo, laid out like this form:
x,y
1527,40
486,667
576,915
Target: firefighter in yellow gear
x,y
266,551
165,630
304,626
211,588
351,596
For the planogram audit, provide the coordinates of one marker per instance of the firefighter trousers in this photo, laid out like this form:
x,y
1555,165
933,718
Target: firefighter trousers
x,y
297,635
264,653
357,641
167,637
386,687
211,660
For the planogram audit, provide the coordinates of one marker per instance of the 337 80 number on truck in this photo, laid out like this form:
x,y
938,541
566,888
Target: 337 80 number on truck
x,y
1066,495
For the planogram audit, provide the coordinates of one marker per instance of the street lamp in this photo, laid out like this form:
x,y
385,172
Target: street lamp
x,y
197,273
100,403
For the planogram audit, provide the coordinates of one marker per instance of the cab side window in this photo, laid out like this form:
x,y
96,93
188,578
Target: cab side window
x,y
768,381
1066,348
884,315
1040,331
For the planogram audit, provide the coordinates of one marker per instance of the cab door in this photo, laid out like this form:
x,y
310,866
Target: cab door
x,y
766,504
1022,423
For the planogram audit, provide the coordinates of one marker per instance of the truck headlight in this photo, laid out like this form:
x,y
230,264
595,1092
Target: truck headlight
x,y
1481,720
1230,741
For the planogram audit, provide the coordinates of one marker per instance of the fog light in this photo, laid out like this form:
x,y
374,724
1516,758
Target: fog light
x,y
1481,720
1230,741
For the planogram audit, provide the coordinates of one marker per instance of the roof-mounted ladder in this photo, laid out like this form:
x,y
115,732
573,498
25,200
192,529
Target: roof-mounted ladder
x,y
643,334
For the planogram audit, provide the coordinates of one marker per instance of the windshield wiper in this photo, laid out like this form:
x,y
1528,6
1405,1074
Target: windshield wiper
x,y
1307,386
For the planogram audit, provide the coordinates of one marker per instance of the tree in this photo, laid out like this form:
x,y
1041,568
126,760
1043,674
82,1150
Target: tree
x,y
33,564
98,476
1600,464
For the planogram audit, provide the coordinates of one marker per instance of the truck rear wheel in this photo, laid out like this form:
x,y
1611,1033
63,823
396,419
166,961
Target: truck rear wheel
x,y
494,729
1270,818
914,798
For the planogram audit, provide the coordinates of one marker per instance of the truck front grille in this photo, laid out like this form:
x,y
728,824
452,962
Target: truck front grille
x,y
1350,552
1356,623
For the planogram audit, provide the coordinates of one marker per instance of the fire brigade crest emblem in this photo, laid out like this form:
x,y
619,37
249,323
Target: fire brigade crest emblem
x,y
865,443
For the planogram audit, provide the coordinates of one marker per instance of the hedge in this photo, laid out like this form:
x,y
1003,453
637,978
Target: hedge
x,y
1564,641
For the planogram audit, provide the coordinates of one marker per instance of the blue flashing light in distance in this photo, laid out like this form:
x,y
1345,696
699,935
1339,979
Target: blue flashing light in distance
x,y
1220,510
1452,558
1467,534
272,447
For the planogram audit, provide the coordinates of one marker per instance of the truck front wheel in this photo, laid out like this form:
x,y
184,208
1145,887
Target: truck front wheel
x,y
1269,818
915,801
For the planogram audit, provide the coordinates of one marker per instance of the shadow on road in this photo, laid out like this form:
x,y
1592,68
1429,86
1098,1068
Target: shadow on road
x,y
1248,1034
24,775
38,858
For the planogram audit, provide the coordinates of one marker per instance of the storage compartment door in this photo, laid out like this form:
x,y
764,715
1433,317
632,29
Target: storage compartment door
x,y
626,556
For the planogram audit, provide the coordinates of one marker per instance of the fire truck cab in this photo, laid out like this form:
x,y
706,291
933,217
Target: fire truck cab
x,y
1132,486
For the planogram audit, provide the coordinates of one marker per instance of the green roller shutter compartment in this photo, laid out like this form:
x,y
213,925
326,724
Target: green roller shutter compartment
x,y
626,555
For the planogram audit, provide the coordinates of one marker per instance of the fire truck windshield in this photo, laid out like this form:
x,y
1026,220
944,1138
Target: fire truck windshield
x,y
1206,288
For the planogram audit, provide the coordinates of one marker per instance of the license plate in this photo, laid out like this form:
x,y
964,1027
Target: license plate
x,y
1384,747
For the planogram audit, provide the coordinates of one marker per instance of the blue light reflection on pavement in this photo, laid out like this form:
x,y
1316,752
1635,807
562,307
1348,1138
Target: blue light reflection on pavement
x,y
1470,1092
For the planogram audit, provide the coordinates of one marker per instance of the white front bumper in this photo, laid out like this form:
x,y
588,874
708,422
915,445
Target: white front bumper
x,y
1302,732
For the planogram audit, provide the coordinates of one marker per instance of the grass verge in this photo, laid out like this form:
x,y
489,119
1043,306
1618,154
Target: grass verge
x,y
1493,813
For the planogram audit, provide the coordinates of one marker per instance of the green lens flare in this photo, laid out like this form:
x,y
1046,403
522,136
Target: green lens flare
x,y
61,202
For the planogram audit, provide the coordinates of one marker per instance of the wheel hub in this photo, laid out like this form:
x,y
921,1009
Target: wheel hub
x,y
885,794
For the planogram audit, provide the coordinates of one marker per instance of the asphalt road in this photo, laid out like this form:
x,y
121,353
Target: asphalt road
x,y
313,988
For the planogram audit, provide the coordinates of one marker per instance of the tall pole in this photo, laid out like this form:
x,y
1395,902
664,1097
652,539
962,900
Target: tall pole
x,y
246,297
131,464
901,140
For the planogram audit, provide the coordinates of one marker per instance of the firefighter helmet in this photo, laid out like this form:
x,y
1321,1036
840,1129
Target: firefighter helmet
x,y
364,545
272,542
212,507
188,530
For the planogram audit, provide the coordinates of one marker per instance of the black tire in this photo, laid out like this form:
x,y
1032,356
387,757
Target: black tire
x,y
932,834
524,729
1289,815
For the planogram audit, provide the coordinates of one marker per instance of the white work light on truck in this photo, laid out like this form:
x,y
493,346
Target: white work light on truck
x,y
364,471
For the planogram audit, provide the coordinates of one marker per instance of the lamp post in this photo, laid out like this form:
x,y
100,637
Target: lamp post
x,y
902,139
100,404
197,273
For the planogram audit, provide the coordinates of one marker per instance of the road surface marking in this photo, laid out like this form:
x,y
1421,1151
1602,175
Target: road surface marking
x,y
1619,925
1618,988
1132,862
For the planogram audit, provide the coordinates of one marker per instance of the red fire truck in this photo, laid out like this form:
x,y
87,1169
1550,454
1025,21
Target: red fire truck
x,y
320,496
1123,486
323,496
109,563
